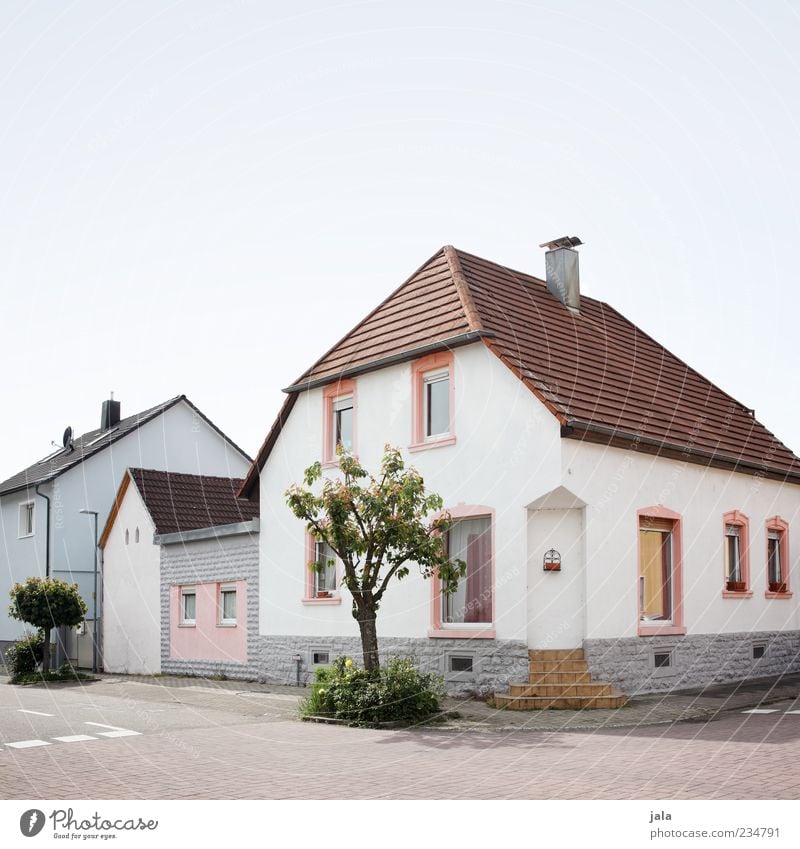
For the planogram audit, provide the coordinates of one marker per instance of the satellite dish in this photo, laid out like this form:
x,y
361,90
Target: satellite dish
x,y
67,438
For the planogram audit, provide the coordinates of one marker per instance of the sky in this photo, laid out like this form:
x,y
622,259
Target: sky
x,y
203,197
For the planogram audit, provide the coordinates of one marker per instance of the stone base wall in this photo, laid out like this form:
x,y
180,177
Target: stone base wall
x,y
694,660
496,663
231,558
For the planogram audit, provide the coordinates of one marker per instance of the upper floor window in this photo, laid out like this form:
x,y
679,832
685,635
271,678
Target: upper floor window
x,y
777,556
432,401
26,512
736,544
339,426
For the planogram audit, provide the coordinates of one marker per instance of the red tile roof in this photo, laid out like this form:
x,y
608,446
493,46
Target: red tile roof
x,y
600,375
182,502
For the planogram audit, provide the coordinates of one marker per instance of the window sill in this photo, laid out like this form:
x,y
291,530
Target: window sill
x,y
187,624
486,633
737,593
432,443
25,536
333,600
768,594
227,624
659,630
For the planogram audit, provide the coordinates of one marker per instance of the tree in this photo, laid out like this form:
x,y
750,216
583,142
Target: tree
x,y
376,527
47,603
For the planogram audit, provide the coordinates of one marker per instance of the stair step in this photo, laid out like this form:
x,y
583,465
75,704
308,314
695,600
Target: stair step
x,y
539,666
596,688
560,678
555,654
610,702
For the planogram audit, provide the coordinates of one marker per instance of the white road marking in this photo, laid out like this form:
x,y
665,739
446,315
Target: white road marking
x,y
34,712
120,733
761,710
115,731
75,738
27,744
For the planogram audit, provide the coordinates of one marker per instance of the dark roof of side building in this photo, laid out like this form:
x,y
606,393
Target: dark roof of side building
x,y
93,442
603,378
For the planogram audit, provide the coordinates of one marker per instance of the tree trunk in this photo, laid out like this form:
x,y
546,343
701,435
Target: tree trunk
x,y
369,639
46,650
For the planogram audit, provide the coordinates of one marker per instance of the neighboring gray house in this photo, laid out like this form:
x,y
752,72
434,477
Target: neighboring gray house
x,y
43,530
180,576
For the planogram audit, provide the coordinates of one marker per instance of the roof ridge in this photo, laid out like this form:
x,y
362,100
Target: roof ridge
x,y
462,288
170,473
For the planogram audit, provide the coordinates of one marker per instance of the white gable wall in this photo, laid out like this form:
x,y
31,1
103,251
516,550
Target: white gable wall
x,y
131,591
507,453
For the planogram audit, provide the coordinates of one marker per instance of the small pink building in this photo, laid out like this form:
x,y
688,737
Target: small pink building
x,y
181,576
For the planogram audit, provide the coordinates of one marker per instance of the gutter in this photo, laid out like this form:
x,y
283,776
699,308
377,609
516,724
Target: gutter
x,y
392,359
688,451
47,537
215,532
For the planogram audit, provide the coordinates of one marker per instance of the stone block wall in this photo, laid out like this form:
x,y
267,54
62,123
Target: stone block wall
x,y
496,663
694,660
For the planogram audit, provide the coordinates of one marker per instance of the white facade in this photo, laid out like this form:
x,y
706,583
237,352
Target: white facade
x,y
132,591
177,440
545,492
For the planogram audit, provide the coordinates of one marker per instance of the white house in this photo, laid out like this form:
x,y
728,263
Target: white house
x,y
608,499
43,530
180,576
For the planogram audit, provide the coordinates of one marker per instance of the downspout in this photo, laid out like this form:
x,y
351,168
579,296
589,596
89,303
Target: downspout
x,y
47,538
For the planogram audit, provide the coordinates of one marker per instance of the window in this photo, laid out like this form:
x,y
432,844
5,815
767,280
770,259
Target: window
x,y
778,557
227,605
320,658
660,585
759,650
736,554
662,659
325,580
339,427
188,606
136,536
127,536
26,511
432,401
460,663
468,613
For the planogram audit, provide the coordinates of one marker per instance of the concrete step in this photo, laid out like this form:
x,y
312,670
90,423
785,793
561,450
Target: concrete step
x,y
596,688
555,654
544,666
610,702
559,678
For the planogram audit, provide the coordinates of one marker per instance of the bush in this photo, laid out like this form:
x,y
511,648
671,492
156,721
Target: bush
x,y
397,692
25,655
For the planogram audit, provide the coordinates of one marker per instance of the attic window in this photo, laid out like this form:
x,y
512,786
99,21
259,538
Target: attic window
x,y
102,436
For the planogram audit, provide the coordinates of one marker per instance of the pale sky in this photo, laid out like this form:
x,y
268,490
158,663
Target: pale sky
x,y
202,197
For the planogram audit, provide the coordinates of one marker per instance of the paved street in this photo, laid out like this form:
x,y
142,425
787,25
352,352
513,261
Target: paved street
x,y
123,739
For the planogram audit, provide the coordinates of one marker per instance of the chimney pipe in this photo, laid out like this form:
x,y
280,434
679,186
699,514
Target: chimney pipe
x,y
110,414
561,270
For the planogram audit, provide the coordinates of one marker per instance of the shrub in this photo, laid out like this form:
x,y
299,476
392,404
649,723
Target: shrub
x,y
397,692
25,655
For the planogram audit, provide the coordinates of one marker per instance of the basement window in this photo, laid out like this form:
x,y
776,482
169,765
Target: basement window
x,y
759,650
662,662
459,663
460,666
319,657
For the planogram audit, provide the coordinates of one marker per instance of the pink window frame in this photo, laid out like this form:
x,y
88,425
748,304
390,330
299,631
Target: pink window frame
x,y
736,517
433,362
332,392
782,527
677,626
308,586
437,630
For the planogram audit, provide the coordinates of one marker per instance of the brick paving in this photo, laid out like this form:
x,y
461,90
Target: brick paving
x,y
740,756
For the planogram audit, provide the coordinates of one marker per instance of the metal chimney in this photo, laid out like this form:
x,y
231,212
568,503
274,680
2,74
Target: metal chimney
x,y
110,414
561,268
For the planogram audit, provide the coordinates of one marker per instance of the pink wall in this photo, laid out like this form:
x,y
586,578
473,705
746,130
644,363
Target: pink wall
x,y
207,639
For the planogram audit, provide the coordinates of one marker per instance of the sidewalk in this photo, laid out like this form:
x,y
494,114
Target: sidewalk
x,y
698,705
